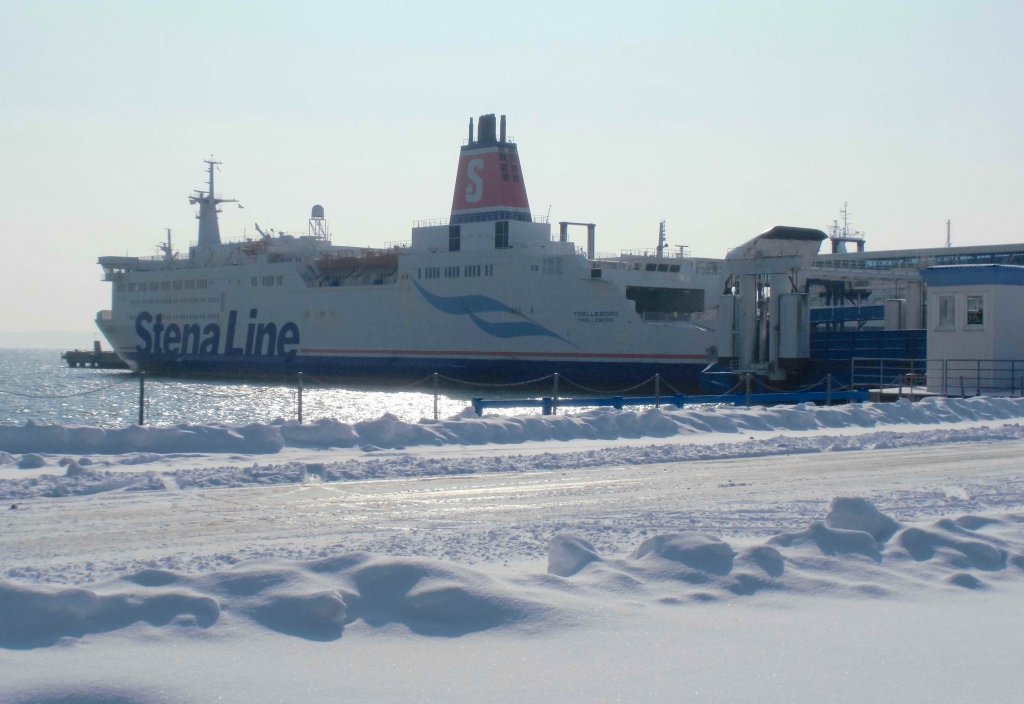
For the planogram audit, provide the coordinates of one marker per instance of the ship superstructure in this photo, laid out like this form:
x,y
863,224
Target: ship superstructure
x,y
487,294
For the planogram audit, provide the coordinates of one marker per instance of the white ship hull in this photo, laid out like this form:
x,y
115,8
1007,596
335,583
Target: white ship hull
x,y
492,298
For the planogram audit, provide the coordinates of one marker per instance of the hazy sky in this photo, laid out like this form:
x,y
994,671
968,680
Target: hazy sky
x,y
723,118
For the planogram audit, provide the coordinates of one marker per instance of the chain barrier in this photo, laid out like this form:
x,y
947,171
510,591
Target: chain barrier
x,y
663,388
671,388
588,390
843,387
483,385
733,390
74,395
769,387
204,394
332,382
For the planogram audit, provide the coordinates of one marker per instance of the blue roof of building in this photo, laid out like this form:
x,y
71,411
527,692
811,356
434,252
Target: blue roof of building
x,y
973,275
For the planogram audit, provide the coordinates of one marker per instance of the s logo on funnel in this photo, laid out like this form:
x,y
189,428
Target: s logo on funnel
x,y
475,188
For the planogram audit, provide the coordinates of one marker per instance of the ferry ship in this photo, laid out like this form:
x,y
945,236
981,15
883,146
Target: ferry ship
x,y
492,294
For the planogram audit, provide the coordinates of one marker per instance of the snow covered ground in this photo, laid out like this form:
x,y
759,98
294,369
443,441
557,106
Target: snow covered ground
x,y
795,554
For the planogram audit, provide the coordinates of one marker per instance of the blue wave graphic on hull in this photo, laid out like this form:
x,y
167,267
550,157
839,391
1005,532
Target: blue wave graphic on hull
x,y
472,305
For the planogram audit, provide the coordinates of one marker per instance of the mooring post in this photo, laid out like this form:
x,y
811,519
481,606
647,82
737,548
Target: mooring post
x,y
657,390
554,396
300,398
747,379
142,398
828,389
435,396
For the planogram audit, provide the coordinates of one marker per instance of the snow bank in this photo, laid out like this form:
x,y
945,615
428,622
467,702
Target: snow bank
x,y
388,432
86,476
870,555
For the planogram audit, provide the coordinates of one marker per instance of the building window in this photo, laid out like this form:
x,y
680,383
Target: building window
x,y
501,234
947,312
975,310
454,238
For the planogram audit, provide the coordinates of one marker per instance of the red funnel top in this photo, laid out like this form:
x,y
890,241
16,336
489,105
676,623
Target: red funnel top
x,y
489,185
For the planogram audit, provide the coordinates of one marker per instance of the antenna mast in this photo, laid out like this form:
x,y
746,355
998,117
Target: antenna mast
x,y
166,248
949,240
840,236
209,229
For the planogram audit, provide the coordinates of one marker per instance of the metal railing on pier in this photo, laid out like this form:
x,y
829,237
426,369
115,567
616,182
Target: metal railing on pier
x,y
945,377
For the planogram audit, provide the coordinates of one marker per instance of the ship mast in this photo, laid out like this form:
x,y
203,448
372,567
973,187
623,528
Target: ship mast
x,y
662,240
166,248
209,229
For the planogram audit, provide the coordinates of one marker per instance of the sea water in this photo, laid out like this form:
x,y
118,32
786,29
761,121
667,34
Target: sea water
x,y
37,385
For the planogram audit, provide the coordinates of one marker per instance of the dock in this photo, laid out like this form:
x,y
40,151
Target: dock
x,y
95,358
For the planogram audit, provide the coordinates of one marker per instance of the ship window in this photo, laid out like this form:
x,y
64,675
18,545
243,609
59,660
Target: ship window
x,y
177,285
651,267
663,267
665,303
947,312
501,234
454,238
552,265
674,268
165,285
975,310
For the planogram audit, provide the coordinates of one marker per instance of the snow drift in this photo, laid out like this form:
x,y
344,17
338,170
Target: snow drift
x,y
855,551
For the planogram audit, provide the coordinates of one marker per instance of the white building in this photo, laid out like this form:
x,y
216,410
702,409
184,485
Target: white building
x,y
975,328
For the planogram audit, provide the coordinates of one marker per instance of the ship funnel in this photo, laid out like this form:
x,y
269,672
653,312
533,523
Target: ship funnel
x,y
489,184
486,130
